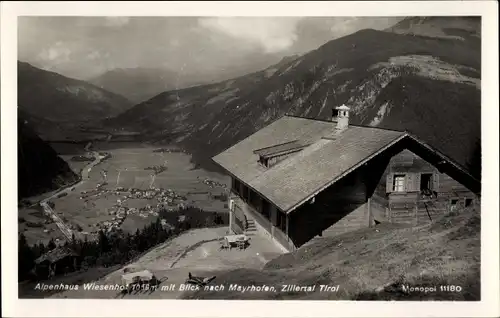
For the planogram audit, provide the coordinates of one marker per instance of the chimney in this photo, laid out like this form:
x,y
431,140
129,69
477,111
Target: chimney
x,y
341,116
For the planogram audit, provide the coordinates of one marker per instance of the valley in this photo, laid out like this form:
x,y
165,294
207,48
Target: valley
x,y
128,197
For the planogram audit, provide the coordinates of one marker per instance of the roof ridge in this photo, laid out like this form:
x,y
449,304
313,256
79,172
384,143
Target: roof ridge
x,y
355,125
281,144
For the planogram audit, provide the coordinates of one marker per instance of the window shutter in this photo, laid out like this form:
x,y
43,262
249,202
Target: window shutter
x,y
435,181
409,182
416,183
389,182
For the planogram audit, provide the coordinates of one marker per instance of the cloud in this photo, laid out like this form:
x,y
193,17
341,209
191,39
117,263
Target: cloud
x,y
273,34
58,53
94,55
117,22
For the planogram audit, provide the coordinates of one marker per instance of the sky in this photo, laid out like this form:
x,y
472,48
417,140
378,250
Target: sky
x,y
85,47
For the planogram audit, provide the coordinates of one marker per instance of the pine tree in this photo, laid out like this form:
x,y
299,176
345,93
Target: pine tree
x,y
51,245
41,248
26,259
103,242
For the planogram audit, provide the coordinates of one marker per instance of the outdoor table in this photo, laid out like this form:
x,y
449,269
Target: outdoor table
x,y
235,238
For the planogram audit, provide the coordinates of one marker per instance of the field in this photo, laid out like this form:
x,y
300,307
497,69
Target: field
x,y
89,206
36,226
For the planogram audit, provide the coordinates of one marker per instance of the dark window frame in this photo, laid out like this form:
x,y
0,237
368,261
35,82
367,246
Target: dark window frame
x,y
430,181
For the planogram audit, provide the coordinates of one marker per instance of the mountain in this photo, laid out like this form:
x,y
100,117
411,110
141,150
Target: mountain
x,y
459,28
429,86
51,96
40,169
140,84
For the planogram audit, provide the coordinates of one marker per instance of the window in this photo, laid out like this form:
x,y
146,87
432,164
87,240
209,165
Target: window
x,y
264,161
453,204
236,185
266,209
281,221
426,182
468,202
399,183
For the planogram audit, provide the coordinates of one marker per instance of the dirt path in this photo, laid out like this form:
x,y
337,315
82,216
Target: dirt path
x,y
65,229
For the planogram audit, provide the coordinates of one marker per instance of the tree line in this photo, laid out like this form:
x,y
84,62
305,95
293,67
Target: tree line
x,y
119,247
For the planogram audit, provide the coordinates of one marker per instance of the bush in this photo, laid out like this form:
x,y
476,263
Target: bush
x,y
34,224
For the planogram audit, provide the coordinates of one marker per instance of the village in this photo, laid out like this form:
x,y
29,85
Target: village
x,y
166,199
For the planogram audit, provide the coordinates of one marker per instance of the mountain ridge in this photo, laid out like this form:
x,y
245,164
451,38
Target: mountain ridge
x,y
140,83
390,80
40,169
52,96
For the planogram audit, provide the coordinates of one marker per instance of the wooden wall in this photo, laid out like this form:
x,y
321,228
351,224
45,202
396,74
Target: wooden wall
x,y
237,216
344,206
276,159
411,206
379,209
331,211
355,220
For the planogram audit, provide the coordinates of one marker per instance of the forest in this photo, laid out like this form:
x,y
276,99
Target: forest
x,y
119,247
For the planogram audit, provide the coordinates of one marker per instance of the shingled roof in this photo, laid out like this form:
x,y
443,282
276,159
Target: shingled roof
x,y
287,147
56,254
327,157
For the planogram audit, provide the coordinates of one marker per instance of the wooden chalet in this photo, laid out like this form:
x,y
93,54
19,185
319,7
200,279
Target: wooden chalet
x,y
59,260
298,178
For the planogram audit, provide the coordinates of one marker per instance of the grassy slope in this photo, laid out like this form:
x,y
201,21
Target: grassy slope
x,y
362,262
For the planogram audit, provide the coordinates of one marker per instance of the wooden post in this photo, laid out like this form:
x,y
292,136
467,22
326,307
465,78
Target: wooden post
x,y
286,228
368,206
388,214
416,213
231,214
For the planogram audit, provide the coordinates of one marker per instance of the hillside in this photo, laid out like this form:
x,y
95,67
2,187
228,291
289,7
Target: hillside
x,y
372,264
460,28
40,169
140,84
53,97
429,86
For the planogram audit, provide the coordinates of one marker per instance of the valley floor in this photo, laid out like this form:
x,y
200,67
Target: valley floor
x,y
96,201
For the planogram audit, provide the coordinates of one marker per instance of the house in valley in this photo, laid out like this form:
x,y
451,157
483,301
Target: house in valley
x,y
298,178
60,260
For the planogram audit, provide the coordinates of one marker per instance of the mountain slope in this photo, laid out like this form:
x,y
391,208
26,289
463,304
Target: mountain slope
x,y
40,169
139,84
58,98
460,28
429,86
